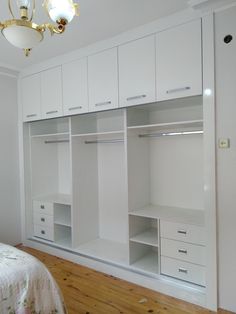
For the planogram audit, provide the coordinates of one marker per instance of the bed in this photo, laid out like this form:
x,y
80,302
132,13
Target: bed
x,y
26,286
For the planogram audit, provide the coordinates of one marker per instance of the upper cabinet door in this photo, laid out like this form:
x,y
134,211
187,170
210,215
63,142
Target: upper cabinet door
x,y
137,68
51,83
179,61
103,80
75,87
31,97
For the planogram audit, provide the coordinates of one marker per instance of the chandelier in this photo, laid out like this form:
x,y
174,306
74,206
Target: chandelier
x,y
23,33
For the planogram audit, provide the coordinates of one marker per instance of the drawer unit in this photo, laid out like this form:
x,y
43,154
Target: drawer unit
x,y
43,220
43,207
183,270
44,232
184,251
183,232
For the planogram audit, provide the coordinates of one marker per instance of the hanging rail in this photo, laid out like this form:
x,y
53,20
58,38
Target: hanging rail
x,y
104,141
171,134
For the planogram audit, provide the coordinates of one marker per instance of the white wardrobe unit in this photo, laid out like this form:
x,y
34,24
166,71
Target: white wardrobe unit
x,y
124,186
125,176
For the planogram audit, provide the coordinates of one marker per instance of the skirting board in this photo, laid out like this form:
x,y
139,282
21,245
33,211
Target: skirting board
x,y
165,286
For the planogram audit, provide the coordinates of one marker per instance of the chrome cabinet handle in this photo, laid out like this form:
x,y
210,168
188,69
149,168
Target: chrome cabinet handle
x,y
103,103
31,115
43,219
182,232
75,108
42,232
42,206
136,97
183,270
183,251
51,112
176,90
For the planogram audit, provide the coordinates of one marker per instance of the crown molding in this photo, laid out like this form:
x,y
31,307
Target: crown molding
x,y
8,70
209,5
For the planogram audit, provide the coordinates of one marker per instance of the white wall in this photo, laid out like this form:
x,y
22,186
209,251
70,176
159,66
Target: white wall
x,y
9,170
226,158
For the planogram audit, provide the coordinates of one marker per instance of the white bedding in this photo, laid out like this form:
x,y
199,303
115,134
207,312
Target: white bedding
x,y
26,286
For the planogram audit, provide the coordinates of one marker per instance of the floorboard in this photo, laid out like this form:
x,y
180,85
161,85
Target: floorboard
x,y
87,291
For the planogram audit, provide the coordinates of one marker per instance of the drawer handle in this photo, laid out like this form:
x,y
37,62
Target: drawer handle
x,y
136,97
43,219
31,115
183,251
103,103
176,90
51,112
182,232
42,232
42,206
183,270
75,108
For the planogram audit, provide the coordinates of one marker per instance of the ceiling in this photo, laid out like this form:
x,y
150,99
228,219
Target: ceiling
x,y
99,19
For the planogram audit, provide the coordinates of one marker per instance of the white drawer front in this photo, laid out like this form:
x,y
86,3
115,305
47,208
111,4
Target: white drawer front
x,y
184,251
183,270
44,232
43,207
183,232
43,220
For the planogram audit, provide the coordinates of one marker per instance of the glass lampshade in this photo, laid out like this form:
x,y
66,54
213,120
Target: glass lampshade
x,y
60,10
22,36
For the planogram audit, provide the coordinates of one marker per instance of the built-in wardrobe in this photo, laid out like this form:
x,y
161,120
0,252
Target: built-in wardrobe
x,y
118,159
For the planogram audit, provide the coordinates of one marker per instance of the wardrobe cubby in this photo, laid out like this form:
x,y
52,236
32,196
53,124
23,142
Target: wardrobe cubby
x,y
144,258
99,185
98,123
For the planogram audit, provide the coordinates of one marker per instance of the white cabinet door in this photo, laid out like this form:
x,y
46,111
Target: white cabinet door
x,y
51,83
75,87
137,66
179,61
103,80
31,97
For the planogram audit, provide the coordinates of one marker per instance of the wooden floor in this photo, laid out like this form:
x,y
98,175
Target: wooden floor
x,y
89,292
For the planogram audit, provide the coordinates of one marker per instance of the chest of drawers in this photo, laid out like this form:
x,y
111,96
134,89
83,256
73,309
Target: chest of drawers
x,y
183,252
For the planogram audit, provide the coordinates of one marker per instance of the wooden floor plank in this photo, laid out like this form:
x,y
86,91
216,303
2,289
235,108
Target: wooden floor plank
x,y
87,291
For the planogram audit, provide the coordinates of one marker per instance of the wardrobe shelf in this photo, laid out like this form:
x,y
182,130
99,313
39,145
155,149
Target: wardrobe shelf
x,y
64,135
148,237
178,125
175,214
62,223
59,198
98,134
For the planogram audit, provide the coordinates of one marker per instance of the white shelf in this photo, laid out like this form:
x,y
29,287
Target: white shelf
x,y
53,136
148,237
59,198
62,223
106,250
170,125
148,263
176,214
98,134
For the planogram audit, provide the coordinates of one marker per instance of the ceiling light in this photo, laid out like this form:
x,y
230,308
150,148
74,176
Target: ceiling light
x,y
24,34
